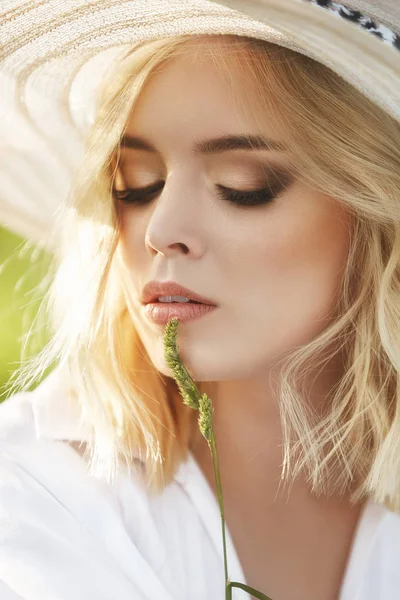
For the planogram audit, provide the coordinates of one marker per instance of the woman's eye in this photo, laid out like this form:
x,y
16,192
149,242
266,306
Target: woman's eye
x,y
254,197
239,197
138,195
246,197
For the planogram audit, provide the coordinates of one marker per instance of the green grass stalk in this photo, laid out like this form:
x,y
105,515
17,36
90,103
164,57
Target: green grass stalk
x,y
201,402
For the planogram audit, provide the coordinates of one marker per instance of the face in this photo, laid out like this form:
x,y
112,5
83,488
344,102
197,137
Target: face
x,y
270,260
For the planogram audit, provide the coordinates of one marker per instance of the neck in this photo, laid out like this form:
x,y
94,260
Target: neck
x,y
248,431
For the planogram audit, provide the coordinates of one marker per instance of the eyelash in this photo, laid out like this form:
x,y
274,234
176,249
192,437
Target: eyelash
x,y
241,198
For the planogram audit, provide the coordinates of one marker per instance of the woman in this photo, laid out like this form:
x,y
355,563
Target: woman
x,y
266,185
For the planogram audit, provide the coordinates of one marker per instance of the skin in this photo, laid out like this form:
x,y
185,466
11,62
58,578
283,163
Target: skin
x,y
274,271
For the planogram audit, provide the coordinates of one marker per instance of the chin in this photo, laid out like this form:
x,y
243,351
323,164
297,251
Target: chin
x,y
197,372
201,368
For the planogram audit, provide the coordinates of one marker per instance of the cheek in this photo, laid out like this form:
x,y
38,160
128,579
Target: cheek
x,y
310,241
292,264
129,239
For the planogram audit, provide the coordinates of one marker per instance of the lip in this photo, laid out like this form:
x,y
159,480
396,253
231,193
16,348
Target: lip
x,y
154,289
161,313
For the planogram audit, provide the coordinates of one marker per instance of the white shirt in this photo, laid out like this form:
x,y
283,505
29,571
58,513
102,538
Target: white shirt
x,y
65,535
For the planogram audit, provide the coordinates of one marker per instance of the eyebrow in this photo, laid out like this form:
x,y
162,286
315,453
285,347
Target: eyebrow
x,y
214,145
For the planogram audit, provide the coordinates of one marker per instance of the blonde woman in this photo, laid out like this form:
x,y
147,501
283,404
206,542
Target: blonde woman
x,y
243,158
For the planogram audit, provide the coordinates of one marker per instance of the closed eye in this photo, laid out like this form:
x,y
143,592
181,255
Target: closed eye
x,y
249,197
256,197
137,195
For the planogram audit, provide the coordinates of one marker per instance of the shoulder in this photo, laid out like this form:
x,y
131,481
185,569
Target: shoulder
x,y
16,419
37,526
380,547
57,519
387,540
59,536
38,476
39,457
25,446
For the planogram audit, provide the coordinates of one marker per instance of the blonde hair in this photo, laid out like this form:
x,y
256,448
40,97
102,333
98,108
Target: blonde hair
x,y
346,147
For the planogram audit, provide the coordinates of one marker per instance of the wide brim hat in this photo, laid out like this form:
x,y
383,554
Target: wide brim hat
x,y
55,53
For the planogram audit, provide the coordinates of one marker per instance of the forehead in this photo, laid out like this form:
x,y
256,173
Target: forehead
x,y
196,93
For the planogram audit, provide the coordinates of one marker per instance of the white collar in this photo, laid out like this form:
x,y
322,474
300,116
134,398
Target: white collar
x,y
57,414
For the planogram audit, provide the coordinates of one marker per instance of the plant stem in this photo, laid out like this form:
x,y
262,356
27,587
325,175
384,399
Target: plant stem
x,y
214,454
192,397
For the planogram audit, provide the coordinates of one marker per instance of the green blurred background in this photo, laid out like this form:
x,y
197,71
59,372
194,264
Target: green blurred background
x,y
23,269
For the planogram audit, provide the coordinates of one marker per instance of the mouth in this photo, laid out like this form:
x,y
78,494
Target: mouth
x,y
167,292
174,302
162,312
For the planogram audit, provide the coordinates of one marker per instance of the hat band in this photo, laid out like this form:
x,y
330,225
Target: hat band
x,y
381,31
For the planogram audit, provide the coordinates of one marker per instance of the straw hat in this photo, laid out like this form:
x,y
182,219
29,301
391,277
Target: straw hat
x,y
54,54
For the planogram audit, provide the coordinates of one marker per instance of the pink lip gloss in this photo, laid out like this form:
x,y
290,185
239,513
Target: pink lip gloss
x,y
162,312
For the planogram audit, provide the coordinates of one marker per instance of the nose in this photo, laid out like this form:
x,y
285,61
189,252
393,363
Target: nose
x,y
175,224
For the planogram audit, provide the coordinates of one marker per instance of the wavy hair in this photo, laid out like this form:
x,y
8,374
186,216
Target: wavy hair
x,y
345,146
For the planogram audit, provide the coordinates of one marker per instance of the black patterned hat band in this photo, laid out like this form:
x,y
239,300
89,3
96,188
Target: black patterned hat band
x,y
355,16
